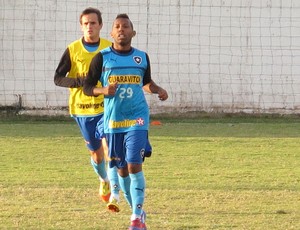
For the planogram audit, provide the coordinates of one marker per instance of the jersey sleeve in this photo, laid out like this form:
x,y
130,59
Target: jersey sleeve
x,y
60,76
94,74
147,76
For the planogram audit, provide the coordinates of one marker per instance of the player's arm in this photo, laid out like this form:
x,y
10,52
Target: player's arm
x,y
60,76
94,74
150,86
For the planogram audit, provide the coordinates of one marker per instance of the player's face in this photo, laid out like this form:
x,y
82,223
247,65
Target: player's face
x,y
122,32
90,27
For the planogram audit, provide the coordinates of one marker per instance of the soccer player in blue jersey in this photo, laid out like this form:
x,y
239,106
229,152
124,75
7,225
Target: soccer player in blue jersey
x,y
124,72
87,111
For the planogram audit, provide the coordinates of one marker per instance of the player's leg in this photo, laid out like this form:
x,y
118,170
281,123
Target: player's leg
x,y
88,127
117,151
124,180
112,173
113,204
104,189
136,142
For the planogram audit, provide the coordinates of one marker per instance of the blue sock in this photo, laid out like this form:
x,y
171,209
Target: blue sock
x,y
137,191
125,186
114,181
100,169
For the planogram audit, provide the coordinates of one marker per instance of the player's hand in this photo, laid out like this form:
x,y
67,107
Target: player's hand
x,y
162,94
112,88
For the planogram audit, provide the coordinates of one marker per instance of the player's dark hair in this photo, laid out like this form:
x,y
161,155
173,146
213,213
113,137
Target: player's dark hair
x,y
91,10
125,16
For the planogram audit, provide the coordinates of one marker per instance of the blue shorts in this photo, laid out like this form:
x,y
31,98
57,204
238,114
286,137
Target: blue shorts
x,y
92,130
127,147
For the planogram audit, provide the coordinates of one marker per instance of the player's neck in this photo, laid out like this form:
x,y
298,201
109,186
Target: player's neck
x,y
91,40
121,48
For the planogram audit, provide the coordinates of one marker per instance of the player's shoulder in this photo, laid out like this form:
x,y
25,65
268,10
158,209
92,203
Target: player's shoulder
x,y
106,50
139,54
105,40
104,43
136,50
76,42
75,45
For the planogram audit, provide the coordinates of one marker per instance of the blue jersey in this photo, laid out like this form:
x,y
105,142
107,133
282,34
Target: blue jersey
x,y
127,110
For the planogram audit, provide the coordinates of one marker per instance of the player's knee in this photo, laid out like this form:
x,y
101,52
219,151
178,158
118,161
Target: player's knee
x,y
97,156
134,168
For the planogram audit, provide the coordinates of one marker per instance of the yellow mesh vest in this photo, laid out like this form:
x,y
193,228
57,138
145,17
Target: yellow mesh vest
x,y
79,103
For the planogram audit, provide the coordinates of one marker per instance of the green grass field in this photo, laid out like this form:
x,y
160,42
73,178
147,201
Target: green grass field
x,y
205,173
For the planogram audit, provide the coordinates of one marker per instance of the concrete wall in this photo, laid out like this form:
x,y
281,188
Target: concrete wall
x,y
212,55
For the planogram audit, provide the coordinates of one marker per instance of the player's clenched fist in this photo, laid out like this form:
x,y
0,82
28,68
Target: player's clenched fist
x,y
112,88
162,94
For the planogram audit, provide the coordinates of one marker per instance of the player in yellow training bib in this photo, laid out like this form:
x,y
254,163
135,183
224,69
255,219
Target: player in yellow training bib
x,y
87,111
